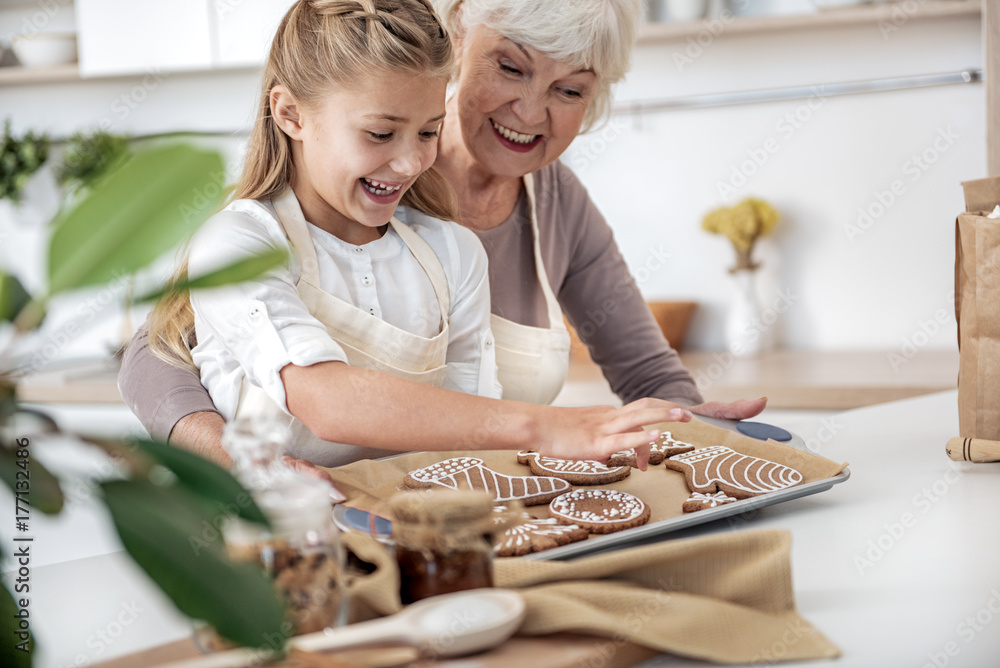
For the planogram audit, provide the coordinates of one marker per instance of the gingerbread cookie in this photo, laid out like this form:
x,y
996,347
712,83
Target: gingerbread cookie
x,y
662,448
600,510
535,535
698,501
470,473
720,469
576,472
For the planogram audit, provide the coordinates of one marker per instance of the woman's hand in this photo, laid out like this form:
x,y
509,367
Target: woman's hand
x,y
597,432
740,409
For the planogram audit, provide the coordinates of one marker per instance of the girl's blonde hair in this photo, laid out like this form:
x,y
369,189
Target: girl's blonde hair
x,y
323,45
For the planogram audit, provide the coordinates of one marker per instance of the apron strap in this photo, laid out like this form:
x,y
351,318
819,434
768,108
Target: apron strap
x,y
297,228
551,303
428,259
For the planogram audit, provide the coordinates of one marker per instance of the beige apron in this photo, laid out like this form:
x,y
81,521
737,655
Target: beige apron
x,y
533,361
368,342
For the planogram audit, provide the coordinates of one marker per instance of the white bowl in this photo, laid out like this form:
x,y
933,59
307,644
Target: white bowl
x,y
44,49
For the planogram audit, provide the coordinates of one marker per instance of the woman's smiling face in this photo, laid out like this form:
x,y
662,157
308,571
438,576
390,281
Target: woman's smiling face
x,y
518,108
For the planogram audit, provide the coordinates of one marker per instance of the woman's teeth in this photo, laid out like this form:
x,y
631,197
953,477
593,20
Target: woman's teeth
x,y
379,188
515,137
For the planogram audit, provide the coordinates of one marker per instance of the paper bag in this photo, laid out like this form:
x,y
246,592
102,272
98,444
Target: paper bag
x,y
977,310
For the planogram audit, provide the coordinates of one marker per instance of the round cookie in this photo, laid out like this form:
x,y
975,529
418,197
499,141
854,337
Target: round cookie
x,y
573,471
600,510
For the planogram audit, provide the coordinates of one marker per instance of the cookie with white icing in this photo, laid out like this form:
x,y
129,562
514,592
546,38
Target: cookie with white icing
x,y
470,473
573,471
534,535
698,501
600,510
663,447
721,469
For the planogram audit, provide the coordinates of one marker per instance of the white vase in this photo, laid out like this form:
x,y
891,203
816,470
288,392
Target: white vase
x,y
747,333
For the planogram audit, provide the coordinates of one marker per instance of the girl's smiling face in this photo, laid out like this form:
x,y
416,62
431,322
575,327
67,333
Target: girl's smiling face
x,y
360,149
519,109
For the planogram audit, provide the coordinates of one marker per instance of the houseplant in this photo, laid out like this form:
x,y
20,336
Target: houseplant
x,y
744,224
141,208
20,158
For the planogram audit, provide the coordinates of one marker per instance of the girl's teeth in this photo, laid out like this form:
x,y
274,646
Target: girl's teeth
x,y
379,188
515,137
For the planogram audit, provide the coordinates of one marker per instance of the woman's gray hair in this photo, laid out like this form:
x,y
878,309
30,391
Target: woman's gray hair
x,y
598,34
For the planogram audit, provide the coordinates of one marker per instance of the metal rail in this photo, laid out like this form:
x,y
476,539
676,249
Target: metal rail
x,y
799,92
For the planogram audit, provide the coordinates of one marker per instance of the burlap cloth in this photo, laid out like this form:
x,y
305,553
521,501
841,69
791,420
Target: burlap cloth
x,y
725,598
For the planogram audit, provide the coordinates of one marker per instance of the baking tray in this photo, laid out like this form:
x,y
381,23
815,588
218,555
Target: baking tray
x,y
380,528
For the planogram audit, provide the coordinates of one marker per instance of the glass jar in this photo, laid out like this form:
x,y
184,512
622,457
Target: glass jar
x,y
302,551
443,542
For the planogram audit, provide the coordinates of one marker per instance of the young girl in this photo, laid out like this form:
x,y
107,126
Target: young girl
x,y
364,336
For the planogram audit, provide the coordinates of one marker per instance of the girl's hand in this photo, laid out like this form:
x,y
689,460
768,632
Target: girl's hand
x,y
740,409
313,471
598,432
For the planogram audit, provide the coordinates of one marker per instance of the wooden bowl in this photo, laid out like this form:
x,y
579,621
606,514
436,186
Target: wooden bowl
x,y
672,317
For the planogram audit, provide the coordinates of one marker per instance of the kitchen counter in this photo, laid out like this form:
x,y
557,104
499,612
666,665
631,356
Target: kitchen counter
x,y
790,379
895,565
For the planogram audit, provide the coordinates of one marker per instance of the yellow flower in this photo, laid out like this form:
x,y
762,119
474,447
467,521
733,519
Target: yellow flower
x,y
742,224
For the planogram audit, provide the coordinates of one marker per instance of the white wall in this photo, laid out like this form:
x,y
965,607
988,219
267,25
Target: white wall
x,y
655,175
856,283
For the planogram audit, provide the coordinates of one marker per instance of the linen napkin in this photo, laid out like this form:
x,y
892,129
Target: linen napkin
x,y
725,598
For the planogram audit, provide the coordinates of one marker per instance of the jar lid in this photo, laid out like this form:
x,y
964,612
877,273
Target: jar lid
x,y
441,507
295,503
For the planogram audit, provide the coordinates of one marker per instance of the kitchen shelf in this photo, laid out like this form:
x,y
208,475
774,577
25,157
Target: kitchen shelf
x,y
15,74
842,16
795,379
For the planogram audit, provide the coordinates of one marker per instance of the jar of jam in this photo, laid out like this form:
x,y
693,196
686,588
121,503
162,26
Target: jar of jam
x,y
443,542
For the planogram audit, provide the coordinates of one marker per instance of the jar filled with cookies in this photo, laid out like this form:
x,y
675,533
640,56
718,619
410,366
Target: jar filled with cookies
x,y
443,542
301,552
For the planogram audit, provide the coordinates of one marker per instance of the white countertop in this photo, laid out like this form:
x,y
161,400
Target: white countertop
x,y
898,565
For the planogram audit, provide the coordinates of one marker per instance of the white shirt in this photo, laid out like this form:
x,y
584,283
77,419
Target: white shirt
x,y
381,277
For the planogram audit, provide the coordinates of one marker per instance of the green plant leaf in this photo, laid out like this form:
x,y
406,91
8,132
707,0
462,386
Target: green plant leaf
x,y
237,272
207,480
43,487
160,529
13,297
143,208
10,655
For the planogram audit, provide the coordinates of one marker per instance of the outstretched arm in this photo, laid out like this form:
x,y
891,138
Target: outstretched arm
x,y
343,404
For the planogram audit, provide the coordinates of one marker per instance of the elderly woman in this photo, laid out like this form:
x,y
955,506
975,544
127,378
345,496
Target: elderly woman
x,y
532,75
